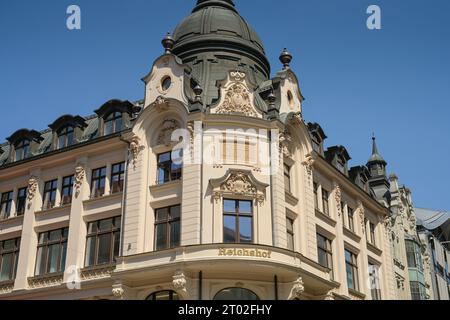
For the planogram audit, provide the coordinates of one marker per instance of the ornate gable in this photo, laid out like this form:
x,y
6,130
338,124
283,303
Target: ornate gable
x,y
237,97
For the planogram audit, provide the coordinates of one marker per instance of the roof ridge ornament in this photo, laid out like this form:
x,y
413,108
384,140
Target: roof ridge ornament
x,y
285,58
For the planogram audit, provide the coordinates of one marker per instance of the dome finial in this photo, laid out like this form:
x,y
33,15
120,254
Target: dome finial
x,y
229,4
285,58
168,43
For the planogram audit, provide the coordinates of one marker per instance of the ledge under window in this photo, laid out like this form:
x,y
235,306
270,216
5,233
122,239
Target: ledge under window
x,y
291,199
326,218
11,220
356,293
104,197
54,209
97,272
374,249
166,185
46,280
6,286
352,235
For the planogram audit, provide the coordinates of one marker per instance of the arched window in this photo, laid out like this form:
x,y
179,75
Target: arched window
x,y
236,294
65,137
22,150
163,296
113,123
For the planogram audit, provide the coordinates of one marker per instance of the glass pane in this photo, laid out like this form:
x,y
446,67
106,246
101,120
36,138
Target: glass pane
x,y
53,258
116,244
229,206
165,157
106,225
322,258
6,267
90,251
92,228
108,127
9,245
229,229
175,234
118,125
175,212
290,239
162,214
63,257
55,235
41,260
104,248
117,222
350,281
245,206
161,236
245,229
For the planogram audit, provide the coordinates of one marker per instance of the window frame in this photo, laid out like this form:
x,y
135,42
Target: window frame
x,y
69,187
62,255
21,200
168,228
15,257
116,228
24,146
121,180
173,296
325,202
6,204
353,265
68,134
316,195
351,218
290,232
96,182
50,188
327,250
375,292
113,117
237,215
287,178
172,175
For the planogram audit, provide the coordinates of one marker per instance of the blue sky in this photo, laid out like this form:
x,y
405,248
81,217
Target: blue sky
x,y
394,82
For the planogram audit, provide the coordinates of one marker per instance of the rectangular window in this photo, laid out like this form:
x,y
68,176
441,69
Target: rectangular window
x,y
67,190
325,196
238,221
49,200
6,205
117,177
351,266
22,150
351,219
287,178
316,196
168,170
167,228
103,240
51,252
98,182
418,291
374,277
324,251
290,233
9,256
21,201
372,233
413,255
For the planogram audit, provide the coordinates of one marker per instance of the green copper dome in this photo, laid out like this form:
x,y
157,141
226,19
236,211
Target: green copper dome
x,y
215,39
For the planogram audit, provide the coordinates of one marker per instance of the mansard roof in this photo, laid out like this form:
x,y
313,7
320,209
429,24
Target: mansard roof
x,y
44,138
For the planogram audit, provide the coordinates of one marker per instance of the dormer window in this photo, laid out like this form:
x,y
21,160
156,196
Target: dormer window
x,y
65,137
113,123
340,164
22,150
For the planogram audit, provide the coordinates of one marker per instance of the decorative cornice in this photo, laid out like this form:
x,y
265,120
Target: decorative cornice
x,y
46,281
98,272
362,216
241,183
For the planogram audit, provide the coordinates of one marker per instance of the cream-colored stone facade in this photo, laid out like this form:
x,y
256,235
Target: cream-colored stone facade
x,y
234,152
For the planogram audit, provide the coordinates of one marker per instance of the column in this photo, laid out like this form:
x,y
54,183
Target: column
x,y
28,241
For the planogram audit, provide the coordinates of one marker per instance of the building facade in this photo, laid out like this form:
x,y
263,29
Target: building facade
x,y
252,206
411,259
434,232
